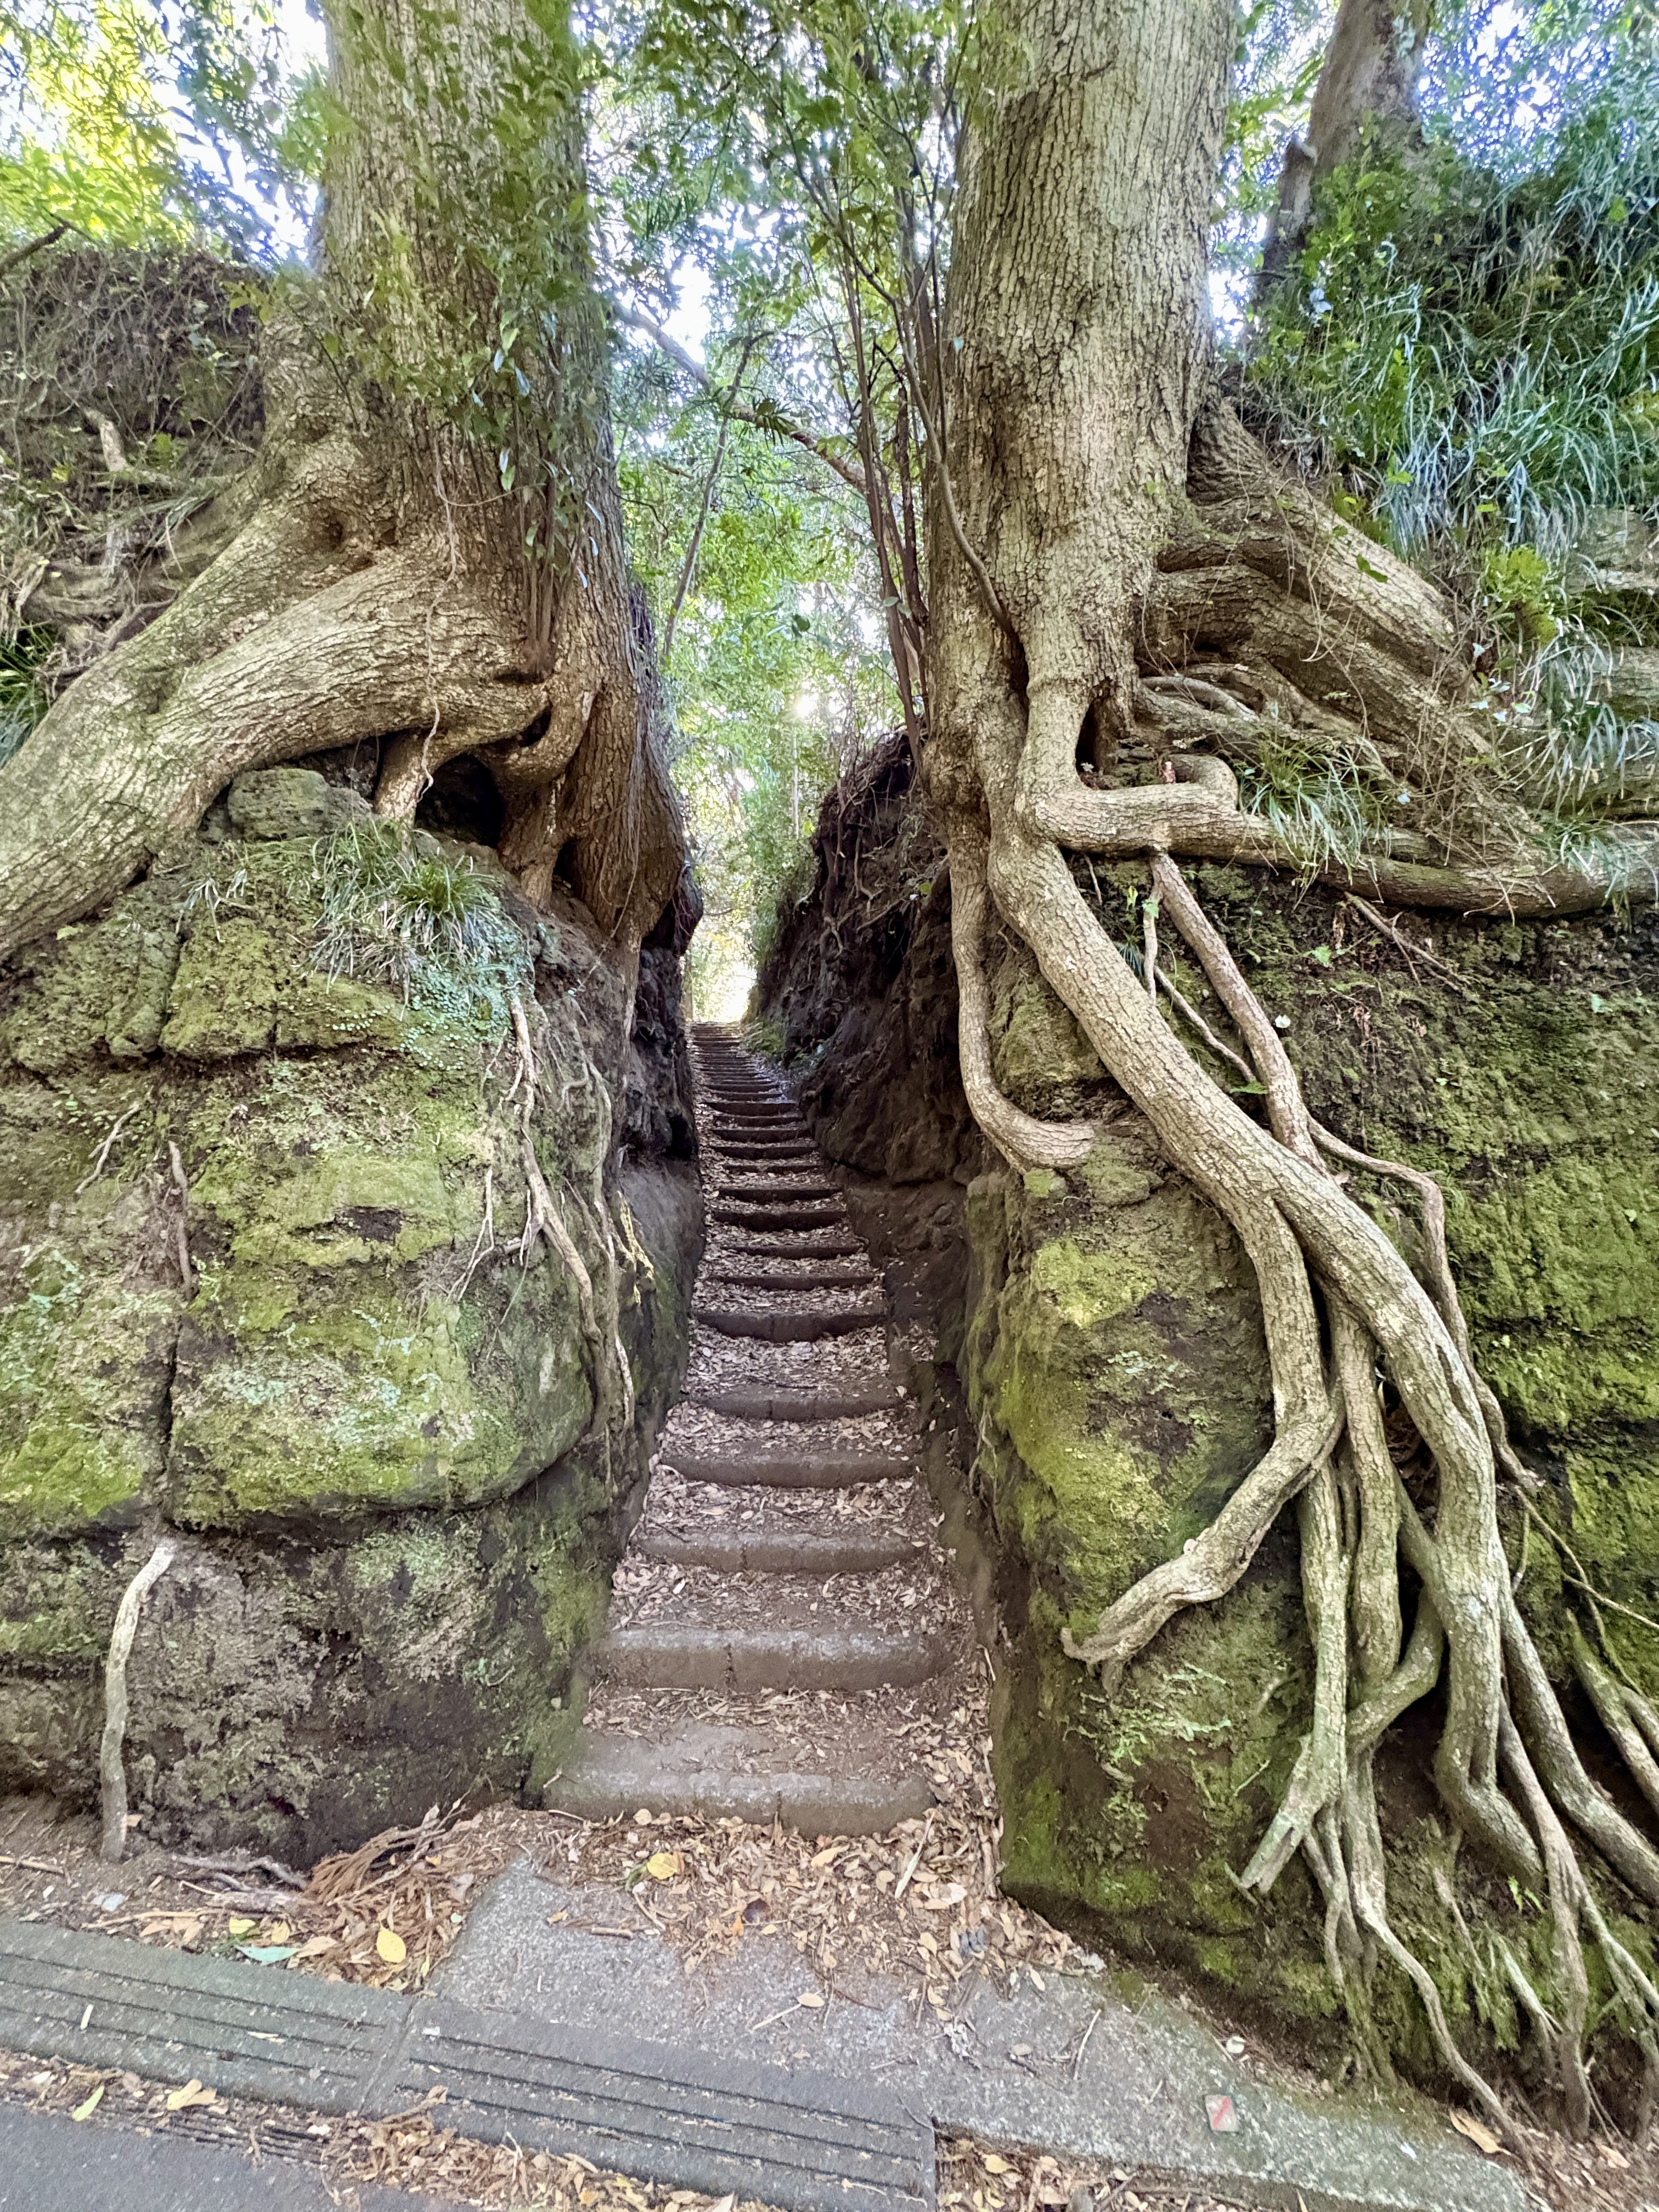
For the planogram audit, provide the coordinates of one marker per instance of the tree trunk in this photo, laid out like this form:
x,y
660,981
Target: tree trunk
x,y
428,553
1370,75
1120,577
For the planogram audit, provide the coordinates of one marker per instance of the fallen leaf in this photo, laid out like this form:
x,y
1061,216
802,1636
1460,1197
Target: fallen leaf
x,y
180,2100
391,1945
279,1934
941,1899
242,1927
663,1866
810,1997
1482,2137
995,2165
269,1954
315,1947
86,2111
1613,2157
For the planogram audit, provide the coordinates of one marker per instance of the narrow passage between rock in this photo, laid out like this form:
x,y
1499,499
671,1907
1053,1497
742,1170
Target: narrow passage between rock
x,y
787,1640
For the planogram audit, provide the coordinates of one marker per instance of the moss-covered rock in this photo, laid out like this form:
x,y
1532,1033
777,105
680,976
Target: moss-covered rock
x,y
261,1187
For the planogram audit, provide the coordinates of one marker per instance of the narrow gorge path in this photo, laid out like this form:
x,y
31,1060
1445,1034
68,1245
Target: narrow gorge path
x,y
787,1642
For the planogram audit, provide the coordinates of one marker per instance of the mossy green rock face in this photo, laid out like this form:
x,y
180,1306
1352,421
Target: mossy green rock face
x,y
259,1285
1117,1377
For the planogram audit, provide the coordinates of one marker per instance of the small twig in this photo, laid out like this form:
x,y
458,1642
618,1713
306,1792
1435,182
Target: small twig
x,y
1397,937
1189,1012
112,1774
904,1882
485,1240
182,1185
101,1158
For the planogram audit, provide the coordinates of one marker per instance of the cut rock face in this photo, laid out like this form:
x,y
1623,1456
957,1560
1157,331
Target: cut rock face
x,y
784,1625
259,1283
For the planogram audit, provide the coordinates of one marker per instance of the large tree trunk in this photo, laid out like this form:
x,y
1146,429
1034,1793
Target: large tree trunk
x,y
428,551
1120,577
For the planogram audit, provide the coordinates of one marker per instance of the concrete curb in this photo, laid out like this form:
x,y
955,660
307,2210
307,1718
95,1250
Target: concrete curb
x,y
809,2144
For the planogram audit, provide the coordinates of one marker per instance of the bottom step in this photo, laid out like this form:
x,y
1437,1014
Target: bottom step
x,y
721,1773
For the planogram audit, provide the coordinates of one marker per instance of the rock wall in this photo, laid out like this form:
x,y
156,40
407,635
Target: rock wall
x,y
1091,1347
262,1182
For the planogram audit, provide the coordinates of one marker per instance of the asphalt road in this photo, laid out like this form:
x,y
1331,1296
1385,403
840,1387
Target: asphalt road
x,y
49,2164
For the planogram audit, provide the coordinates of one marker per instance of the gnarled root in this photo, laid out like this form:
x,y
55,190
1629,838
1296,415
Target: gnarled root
x,y
1023,1141
1316,1252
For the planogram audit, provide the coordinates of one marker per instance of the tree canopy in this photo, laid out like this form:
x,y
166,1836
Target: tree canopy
x,y
1463,351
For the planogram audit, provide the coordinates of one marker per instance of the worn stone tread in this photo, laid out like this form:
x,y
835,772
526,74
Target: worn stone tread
x,y
775,1156
616,1774
799,1656
830,1404
793,1325
808,1278
800,1468
790,1551
777,1217
759,1192
841,1246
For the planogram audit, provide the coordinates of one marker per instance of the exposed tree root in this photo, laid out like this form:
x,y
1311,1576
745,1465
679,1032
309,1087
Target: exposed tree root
x,y
1316,1252
112,1774
611,1377
1164,594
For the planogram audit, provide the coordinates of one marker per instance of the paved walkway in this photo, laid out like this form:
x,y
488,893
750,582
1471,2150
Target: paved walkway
x,y
1076,2066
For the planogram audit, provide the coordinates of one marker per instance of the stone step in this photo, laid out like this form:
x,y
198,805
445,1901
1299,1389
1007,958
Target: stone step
x,y
805,1279
790,1153
848,1403
759,1192
751,1110
725,1151
788,1466
785,1654
775,1216
724,1773
784,1550
794,1324
796,1248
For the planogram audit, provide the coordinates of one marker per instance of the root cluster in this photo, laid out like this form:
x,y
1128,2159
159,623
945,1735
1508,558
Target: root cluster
x,y
1347,1320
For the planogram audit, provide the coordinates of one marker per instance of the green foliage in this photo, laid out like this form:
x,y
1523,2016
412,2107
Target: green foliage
x,y
1320,806
1475,356
129,125
1467,356
23,697
396,910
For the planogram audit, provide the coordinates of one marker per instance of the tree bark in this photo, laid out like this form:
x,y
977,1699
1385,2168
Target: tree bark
x,y
428,551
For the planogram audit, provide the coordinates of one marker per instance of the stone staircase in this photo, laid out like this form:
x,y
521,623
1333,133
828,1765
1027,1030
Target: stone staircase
x,y
786,1635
